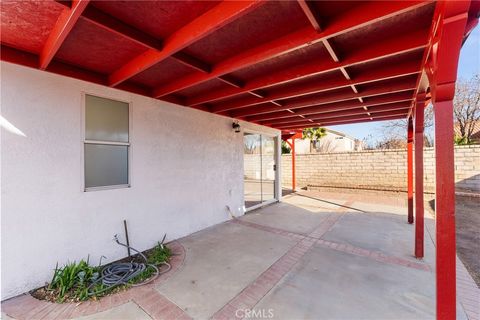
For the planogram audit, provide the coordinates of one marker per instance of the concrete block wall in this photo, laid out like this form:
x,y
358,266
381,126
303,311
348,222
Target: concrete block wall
x,y
253,163
378,169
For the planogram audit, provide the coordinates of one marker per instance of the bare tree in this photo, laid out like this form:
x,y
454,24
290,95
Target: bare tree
x,y
325,146
466,108
394,133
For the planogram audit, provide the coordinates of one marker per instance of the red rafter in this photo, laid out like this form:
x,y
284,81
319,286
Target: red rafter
x,y
403,111
199,28
339,122
358,17
338,106
381,114
349,112
60,31
403,96
295,90
192,62
112,24
308,101
13,55
373,52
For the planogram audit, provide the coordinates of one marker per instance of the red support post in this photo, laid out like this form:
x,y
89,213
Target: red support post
x,y
444,64
419,209
410,169
293,164
445,211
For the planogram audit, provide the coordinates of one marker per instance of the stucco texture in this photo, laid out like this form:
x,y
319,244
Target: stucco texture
x,y
186,166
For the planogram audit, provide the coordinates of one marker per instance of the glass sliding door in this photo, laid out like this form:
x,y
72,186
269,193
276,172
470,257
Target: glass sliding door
x,y
259,169
268,168
252,163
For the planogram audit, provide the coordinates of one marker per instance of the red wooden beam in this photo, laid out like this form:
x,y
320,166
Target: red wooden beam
x,y
361,16
197,29
336,123
380,89
192,62
419,205
322,122
296,90
445,211
112,24
450,37
297,125
379,100
373,52
308,101
292,148
336,107
364,115
311,13
60,31
410,169
357,111
294,179
16,56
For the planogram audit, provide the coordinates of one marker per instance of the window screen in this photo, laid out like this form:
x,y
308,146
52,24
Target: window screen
x,y
106,142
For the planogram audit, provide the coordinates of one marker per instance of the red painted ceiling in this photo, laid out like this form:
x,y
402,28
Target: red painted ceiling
x,y
284,64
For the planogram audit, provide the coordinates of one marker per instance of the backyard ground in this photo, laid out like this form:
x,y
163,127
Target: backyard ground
x,y
315,255
467,218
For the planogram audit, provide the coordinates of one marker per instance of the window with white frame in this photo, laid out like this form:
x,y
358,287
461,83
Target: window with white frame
x,y
106,144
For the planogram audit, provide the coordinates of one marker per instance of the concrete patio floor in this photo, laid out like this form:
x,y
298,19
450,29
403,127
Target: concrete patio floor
x,y
312,256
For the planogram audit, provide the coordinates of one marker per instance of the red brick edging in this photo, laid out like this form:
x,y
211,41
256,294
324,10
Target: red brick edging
x,y
254,292
150,300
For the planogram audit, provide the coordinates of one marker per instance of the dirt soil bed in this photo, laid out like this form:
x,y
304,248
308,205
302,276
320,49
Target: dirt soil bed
x,y
467,220
468,234
52,295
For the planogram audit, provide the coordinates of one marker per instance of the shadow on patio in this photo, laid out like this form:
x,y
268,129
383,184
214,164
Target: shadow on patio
x,y
312,256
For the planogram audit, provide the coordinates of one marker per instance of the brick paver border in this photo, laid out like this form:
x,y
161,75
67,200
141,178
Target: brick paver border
x,y
146,297
326,225
158,306
254,292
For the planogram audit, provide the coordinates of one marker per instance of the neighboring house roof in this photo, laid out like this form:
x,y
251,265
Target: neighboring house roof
x,y
338,133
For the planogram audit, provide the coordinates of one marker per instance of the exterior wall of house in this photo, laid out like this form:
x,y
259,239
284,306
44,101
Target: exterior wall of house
x,y
378,169
186,166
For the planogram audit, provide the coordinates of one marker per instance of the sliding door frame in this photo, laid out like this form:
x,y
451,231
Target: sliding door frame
x,y
278,167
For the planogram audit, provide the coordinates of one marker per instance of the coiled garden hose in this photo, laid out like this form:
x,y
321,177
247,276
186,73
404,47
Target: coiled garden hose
x,y
121,273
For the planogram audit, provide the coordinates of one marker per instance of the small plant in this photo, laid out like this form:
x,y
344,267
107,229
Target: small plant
x,y
156,256
159,254
285,148
72,280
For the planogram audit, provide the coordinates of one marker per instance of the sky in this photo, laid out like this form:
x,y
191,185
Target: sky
x,y
469,65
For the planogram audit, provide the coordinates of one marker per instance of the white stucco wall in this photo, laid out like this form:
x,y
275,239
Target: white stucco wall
x,y
186,166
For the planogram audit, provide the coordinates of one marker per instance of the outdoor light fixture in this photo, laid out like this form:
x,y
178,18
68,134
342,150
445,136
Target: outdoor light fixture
x,y
236,127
